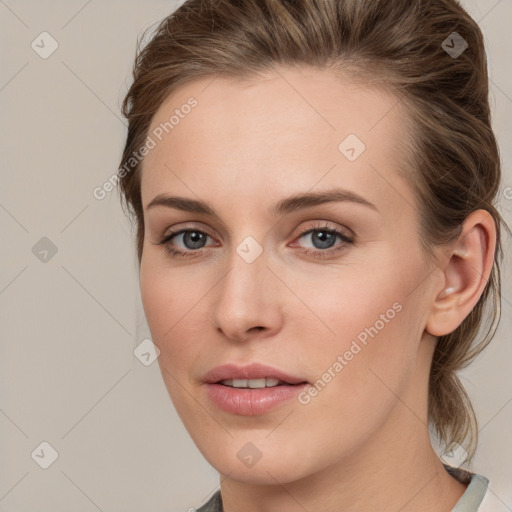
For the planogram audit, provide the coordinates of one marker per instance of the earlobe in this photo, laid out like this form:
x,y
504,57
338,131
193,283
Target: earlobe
x,y
466,273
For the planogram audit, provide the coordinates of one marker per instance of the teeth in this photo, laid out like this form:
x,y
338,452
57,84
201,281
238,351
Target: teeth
x,y
251,383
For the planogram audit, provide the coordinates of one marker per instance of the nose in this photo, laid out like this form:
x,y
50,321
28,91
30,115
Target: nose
x,y
247,300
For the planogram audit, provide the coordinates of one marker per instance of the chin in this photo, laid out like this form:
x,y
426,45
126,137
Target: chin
x,y
266,470
260,474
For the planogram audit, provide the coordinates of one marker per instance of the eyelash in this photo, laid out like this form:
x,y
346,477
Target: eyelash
x,y
306,231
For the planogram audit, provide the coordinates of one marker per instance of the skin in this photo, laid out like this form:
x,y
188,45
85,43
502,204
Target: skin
x,y
362,443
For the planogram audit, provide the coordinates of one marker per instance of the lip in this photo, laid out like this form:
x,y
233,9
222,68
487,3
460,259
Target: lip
x,y
251,371
254,401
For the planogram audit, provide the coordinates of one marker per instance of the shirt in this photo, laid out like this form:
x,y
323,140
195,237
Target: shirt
x,y
476,498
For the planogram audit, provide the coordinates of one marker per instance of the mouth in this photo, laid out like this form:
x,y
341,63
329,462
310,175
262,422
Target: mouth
x,y
251,390
252,376
254,373
267,382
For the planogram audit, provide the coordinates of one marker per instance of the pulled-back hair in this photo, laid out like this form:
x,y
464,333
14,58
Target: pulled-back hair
x,y
401,45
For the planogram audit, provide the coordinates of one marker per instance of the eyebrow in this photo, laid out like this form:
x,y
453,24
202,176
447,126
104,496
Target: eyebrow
x,y
288,205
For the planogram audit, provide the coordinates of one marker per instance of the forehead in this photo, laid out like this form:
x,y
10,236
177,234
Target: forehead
x,y
289,127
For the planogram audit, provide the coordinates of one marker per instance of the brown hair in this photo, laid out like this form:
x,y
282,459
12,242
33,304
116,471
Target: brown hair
x,y
400,45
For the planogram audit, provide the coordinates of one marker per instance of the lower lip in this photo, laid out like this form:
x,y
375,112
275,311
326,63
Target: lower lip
x,y
251,402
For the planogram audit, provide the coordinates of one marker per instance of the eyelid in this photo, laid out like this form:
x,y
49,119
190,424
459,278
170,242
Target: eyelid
x,y
346,239
188,226
314,226
172,234
318,226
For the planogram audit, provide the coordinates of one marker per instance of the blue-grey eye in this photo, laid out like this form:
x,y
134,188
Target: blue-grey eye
x,y
323,238
193,239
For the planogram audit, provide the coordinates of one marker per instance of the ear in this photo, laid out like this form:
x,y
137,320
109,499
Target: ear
x,y
467,270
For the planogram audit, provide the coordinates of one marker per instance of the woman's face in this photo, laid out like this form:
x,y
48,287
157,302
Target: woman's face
x,y
335,294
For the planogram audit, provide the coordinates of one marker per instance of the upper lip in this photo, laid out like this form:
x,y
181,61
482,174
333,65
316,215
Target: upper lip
x,y
250,371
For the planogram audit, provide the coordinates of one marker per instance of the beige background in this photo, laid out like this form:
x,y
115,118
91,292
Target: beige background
x,y
68,375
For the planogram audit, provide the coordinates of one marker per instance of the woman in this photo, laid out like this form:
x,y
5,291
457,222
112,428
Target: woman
x,y
314,187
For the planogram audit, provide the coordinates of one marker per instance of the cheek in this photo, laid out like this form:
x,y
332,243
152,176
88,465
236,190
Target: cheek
x,y
353,305
167,295
158,301
168,305
368,327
